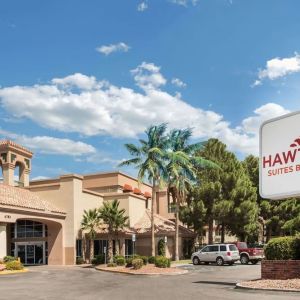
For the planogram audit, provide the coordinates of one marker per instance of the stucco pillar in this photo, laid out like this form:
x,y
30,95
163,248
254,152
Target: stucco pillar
x,y
3,241
24,176
122,244
8,174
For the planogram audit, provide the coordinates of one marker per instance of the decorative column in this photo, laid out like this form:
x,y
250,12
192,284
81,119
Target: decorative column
x,y
8,174
3,240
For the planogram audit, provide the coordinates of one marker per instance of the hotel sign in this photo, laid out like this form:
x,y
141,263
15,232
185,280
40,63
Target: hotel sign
x,y
279,169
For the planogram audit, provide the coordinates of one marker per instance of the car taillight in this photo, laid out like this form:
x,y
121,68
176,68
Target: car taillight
x,y
228,253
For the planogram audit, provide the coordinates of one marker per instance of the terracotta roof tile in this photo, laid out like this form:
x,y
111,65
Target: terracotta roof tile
x,y
18,197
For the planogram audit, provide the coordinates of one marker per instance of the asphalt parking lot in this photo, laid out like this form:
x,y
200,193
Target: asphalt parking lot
x,y
202,282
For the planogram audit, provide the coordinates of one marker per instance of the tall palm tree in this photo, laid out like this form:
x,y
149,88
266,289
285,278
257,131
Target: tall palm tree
x,y
182,164
89,223
116,220
149,160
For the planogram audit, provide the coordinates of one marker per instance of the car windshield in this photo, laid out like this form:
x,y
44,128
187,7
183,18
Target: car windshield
x,y
243,246
232,248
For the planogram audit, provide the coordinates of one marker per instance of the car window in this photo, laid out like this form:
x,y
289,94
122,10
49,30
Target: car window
x,y
243,246
205,249
233,248
222,248
213,248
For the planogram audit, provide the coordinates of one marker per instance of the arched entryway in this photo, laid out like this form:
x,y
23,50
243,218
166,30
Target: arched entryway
x,y
36,241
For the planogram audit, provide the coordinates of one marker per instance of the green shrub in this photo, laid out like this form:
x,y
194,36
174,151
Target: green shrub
x,y
129,260
14,265
162,262
120,260
137,263
283,248
111,265
161,248
151,259
98,259
9,258
145,260
79,260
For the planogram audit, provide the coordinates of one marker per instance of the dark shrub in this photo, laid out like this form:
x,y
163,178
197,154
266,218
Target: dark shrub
x,y
162,262
111,265
145,259
120,260
98,259
79,260
161,248
283,248
151,259
9,258
137,263
14,265
129,260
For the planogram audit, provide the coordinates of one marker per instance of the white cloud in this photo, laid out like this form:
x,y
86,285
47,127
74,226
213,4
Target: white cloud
x,y
39,178
148,76
185,2
279,67
108,49
179,83
122,112
142,6
50,145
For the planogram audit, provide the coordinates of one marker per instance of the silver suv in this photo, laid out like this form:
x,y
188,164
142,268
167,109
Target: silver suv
x,y
220,254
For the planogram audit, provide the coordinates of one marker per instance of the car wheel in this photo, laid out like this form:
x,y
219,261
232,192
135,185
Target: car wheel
x,y
254,262
196,261
220,261
244,260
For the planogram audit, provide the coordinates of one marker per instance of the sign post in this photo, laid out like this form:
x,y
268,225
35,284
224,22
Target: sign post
x,y
279,171
104,250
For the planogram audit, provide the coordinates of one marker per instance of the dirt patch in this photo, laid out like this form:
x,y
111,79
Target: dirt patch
x,y
145,270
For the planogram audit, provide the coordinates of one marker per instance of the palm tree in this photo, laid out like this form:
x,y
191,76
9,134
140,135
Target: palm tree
x,y
182,164
149,160
89,224
116,220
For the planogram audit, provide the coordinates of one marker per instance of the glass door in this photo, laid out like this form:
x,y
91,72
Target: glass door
x,y
31,253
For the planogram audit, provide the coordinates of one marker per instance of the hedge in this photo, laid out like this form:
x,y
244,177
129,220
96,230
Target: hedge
x,y
14,265
162,262
283,248
137,263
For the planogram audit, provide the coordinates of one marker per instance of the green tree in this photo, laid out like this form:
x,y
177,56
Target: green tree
x,y
149,160
181,169
227,192
116,220
89,224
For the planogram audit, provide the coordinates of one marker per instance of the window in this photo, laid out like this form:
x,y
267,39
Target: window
x,y
128,247
213,249
99,246
222,248
205,249
243,246
78,248
28,229
146,203
233,248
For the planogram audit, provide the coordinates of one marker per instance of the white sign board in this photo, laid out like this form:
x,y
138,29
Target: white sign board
x,y
133,237
279,169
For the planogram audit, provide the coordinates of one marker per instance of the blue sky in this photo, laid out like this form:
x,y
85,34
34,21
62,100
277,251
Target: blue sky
x,y
78,79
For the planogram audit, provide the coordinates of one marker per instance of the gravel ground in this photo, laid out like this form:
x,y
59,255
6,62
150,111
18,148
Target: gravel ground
x,y
148,269
289,284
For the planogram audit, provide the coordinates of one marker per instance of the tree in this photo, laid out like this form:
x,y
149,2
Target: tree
x,y
181,169
227,193
89,224
149,160
115,220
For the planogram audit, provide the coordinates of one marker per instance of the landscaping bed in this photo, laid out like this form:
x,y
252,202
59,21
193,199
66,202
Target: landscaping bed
x,y
149,269
9,265
266,284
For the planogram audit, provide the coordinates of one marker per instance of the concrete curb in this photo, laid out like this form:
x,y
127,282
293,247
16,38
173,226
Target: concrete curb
x,y
240,286
13,272
143,274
